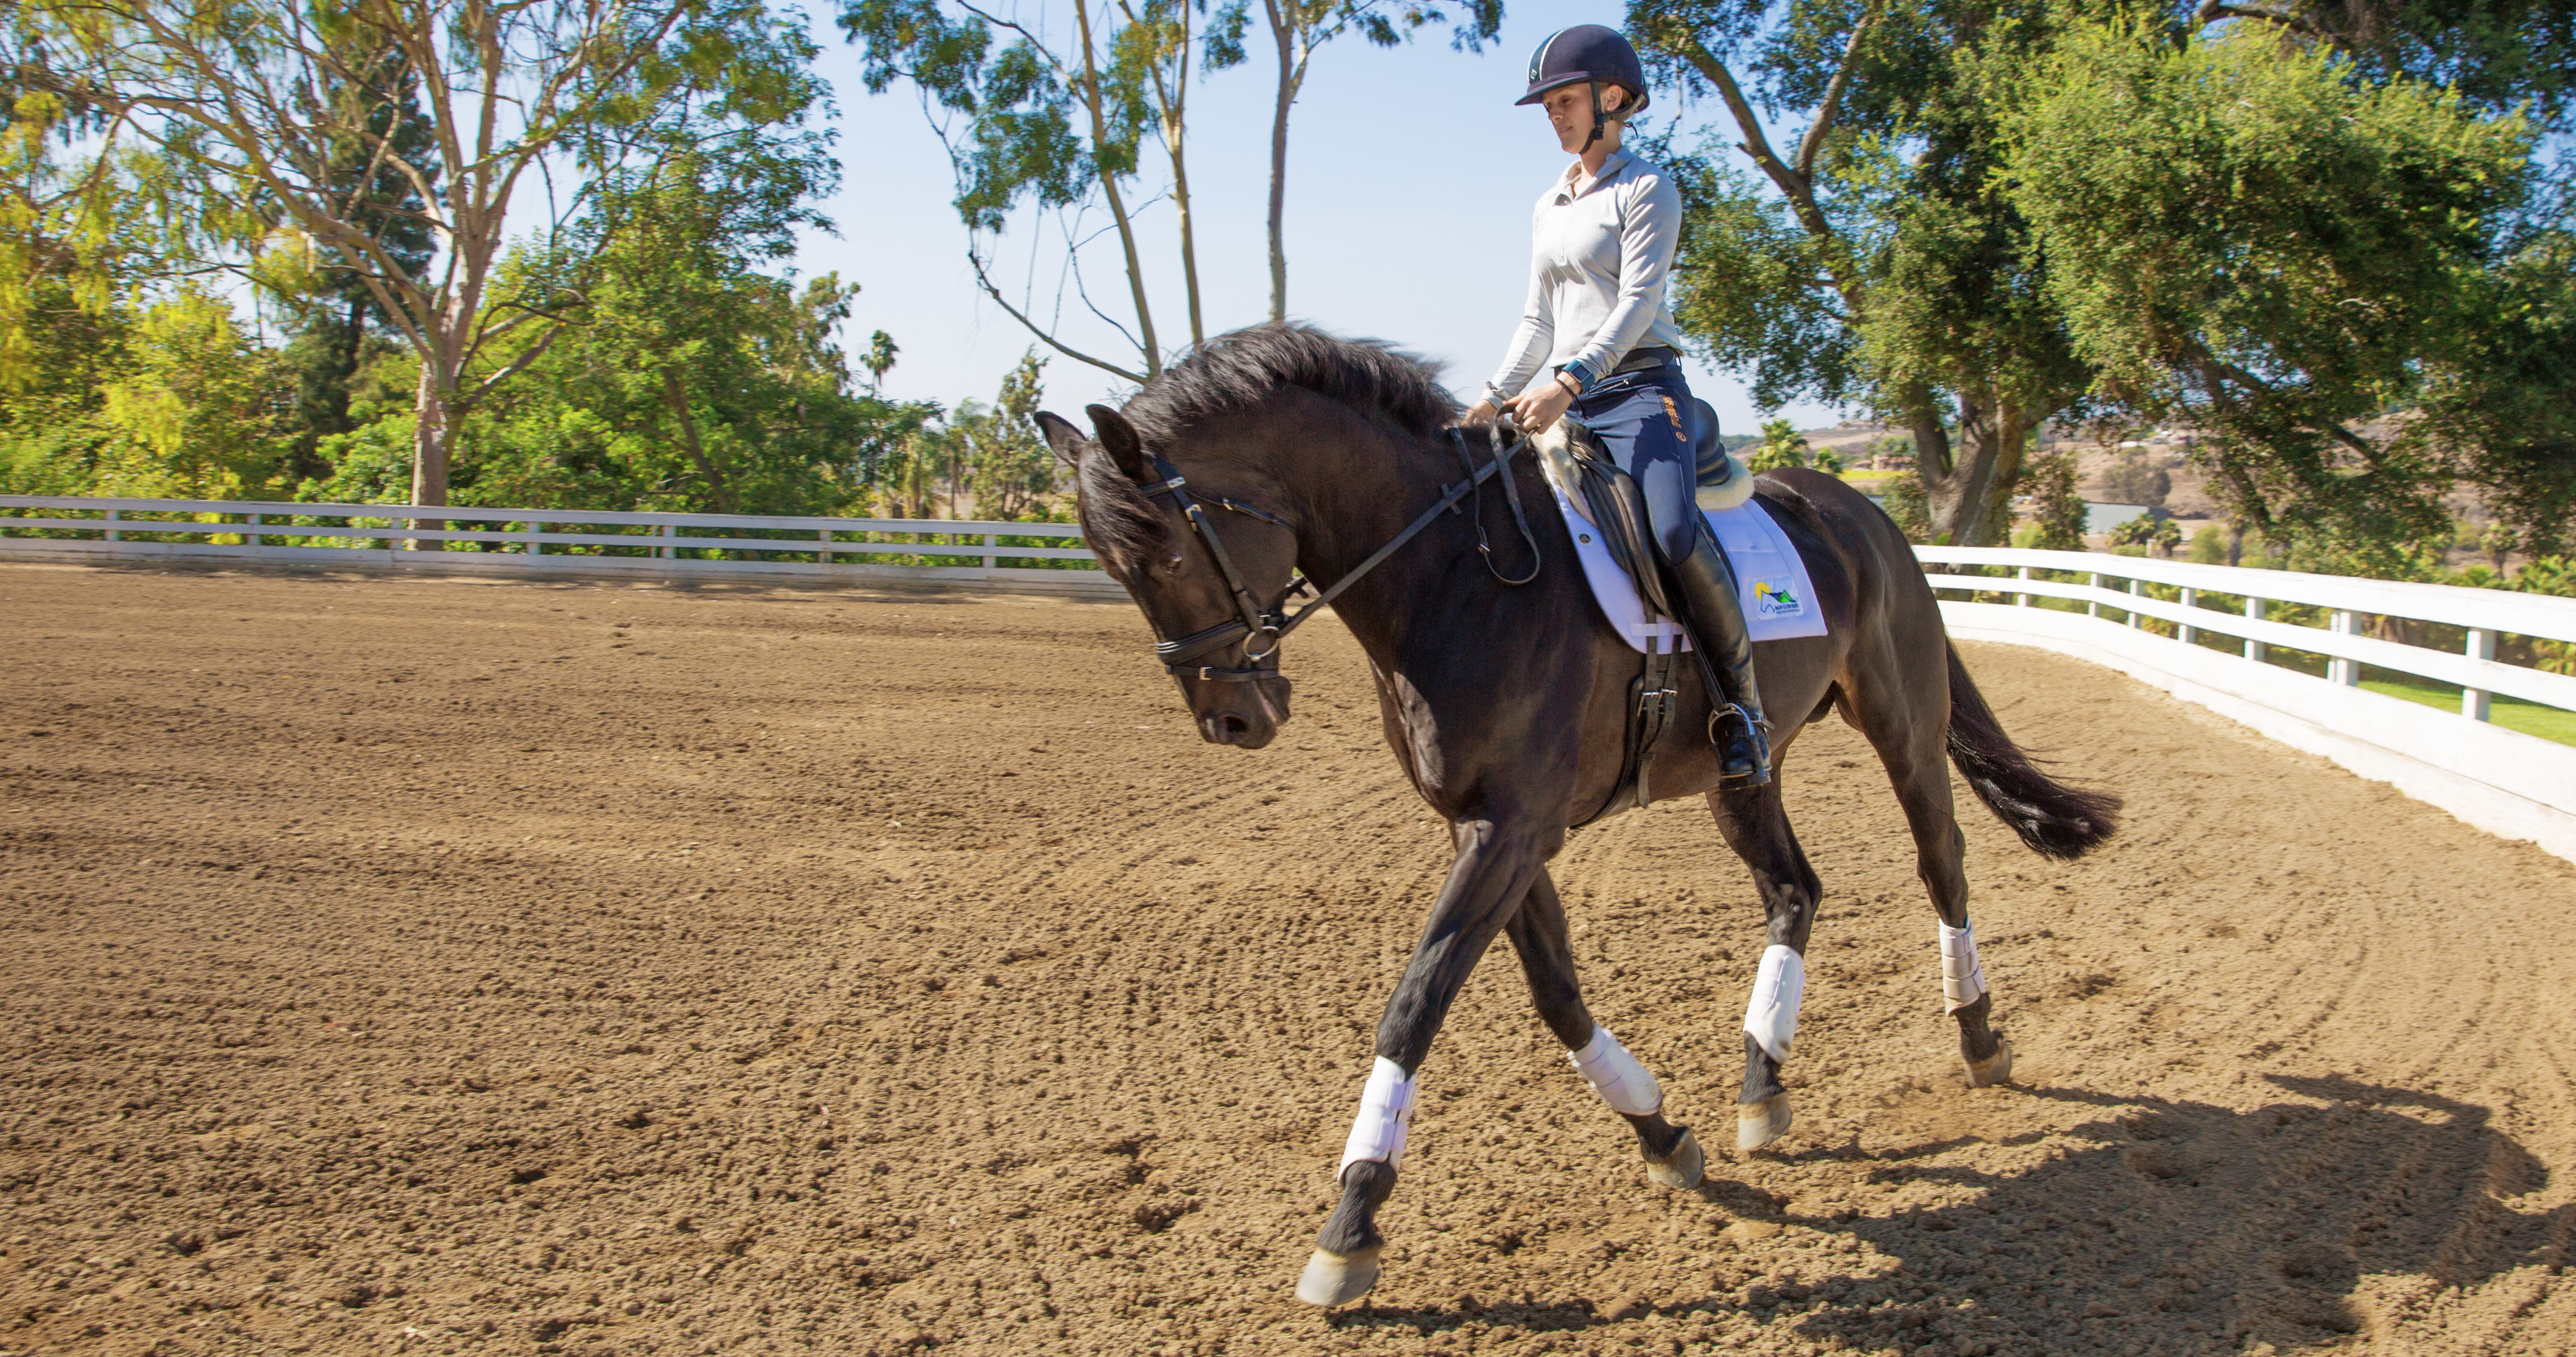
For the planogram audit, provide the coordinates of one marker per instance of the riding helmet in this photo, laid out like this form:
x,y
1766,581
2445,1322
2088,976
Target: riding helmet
x,y
1587,54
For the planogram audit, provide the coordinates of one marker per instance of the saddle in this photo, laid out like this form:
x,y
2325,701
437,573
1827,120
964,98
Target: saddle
x,y
1618,508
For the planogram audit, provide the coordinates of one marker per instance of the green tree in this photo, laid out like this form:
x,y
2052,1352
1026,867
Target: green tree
x,y
1782,446
1881,266
1009,467
1973,189
198,411
693,380
207,127
2246,236
2057,509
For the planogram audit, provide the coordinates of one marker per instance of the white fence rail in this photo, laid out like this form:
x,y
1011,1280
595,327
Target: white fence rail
x,y
2501,780
561,540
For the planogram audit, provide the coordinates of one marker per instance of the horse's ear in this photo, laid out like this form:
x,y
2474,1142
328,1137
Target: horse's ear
x,y
1067,440
1118,437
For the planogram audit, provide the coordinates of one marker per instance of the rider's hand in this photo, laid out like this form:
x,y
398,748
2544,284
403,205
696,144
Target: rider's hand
x,y
1538,408
1482,412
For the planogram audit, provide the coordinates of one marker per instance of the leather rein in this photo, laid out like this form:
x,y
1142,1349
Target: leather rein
x,y
1253,624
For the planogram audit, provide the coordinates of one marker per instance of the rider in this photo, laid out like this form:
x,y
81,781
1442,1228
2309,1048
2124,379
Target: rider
x,y
1597,319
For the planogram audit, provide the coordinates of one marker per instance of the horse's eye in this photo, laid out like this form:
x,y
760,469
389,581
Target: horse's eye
x,y
1172,563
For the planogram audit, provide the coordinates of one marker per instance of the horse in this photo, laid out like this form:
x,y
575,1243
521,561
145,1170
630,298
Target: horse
x,y
1278,455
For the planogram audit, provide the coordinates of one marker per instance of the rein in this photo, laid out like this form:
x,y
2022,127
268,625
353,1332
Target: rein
x,y
1253,623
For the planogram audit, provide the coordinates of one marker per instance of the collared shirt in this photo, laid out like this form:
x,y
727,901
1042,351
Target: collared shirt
x,y
1600,252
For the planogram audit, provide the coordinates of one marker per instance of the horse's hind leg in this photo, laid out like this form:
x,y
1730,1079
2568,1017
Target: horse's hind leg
x,y
1908,724
1537,931
1757,829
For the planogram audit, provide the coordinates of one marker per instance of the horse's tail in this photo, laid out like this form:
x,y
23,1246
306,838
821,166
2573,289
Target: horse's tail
x,y
2056,820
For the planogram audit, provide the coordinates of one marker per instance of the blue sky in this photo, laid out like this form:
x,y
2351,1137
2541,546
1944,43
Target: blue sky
x,y
1411,176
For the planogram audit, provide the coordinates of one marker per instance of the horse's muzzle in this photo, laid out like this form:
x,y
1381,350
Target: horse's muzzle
x,y
1245,715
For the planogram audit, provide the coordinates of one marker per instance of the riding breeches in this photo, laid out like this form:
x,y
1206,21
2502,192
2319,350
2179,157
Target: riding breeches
x,y
1642,419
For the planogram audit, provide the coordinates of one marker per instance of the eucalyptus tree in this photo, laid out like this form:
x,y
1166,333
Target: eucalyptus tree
x,y
233,128
1297,28
1055,117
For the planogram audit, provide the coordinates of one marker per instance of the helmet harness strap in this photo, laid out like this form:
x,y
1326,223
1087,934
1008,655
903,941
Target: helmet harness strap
x,y
1596,118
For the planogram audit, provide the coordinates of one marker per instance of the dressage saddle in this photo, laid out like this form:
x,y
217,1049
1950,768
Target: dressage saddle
x,y
1619,510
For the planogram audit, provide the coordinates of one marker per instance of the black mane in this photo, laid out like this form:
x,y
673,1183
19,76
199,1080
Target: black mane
x,y
1240,369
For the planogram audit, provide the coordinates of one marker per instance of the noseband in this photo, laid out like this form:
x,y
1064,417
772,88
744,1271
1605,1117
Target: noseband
x,y
1254,625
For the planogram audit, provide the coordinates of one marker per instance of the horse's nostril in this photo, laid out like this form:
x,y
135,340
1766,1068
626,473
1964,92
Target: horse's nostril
x,y
1232,724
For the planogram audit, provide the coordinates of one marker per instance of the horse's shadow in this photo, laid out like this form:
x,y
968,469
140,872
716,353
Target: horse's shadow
x,y
2178,1227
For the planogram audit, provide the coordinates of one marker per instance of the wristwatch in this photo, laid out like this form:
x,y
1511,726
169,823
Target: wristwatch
x,y
1582,375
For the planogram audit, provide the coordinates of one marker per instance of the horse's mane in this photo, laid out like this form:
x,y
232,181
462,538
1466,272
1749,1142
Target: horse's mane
x,y
1238,370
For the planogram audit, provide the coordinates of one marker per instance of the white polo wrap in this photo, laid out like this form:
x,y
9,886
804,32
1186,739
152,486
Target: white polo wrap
x,y
1386,1112
1616,1076
1963,979
1771,1015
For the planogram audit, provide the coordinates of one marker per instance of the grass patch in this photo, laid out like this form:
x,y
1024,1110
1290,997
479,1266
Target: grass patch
x,y
2512,713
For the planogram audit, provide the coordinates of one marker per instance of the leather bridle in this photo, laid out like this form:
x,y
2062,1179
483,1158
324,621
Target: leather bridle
x,y
1254,624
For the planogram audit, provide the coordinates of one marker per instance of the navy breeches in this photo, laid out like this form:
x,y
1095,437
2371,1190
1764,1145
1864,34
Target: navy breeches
x,y
1642,419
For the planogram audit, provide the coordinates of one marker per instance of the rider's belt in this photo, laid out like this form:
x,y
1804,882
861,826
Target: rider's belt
x,y
1646,360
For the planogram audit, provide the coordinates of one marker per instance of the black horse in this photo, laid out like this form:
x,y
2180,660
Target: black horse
x,y
1280,450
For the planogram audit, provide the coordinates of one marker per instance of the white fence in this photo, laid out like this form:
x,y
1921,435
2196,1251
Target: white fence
x,y
2513,784
2510,783
561,541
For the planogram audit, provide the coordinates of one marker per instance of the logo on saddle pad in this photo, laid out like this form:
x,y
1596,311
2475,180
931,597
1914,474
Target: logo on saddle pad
x,y
1775,600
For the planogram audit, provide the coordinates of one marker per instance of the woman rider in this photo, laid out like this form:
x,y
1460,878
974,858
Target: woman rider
x,y
1597,320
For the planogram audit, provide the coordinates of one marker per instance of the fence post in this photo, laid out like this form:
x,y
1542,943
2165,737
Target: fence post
x,y
115,516
2339,669
251,538
2093,606
823,556
2473,701
2021,600
2184,631
2137,588
2254,610
668,530
991,540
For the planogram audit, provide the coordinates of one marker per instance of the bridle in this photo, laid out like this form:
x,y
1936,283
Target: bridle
x,y
1254,624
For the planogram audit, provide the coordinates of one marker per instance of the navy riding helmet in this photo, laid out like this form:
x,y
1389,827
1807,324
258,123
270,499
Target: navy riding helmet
x,y
1588,54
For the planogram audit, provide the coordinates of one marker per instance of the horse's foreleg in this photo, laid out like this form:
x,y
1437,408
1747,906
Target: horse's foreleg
x,y
1496,861
1538,933
1757,829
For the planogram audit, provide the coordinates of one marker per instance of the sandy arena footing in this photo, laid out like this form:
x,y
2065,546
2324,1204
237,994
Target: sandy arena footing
x,y
438,966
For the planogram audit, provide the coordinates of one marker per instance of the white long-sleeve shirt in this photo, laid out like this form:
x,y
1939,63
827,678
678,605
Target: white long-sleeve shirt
x,y
1600,252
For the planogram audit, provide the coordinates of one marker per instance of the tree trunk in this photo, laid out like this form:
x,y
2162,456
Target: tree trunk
x,y
1968,482
1091,98
433,437
675,393
1172,133
1284,35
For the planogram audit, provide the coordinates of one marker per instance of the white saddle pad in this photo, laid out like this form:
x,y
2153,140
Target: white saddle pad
x,y
1779,601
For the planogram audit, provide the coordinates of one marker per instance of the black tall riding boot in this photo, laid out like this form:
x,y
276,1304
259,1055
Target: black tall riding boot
x,y
1708,594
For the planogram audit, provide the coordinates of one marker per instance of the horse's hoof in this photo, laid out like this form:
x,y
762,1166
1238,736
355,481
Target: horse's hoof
x,y
1338,1279
1994,1069
1758,1124
1683,1168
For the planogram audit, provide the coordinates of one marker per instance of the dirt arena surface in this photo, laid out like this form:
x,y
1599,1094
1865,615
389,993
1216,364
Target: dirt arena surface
x,y
417,966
